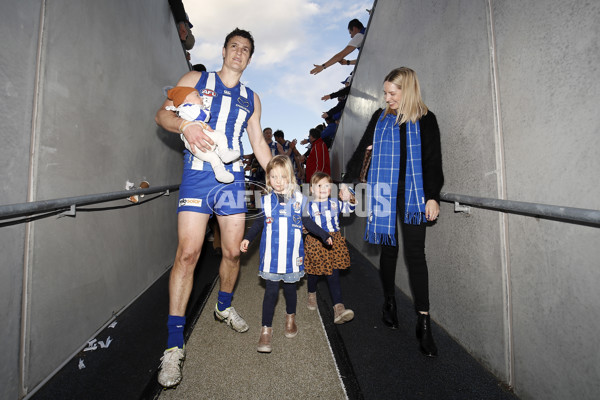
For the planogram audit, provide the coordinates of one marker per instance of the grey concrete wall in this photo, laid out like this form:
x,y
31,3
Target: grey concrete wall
x,y
102,69
515,87
19,29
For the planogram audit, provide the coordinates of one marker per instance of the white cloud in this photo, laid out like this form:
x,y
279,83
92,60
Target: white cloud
x,y
278,27
290,35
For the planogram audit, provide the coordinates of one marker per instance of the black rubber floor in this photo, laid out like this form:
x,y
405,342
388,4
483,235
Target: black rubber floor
x,y
374,361
127,369
380,363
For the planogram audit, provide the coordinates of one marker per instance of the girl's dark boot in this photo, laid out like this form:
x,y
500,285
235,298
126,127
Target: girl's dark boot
x,y
427,345
390,312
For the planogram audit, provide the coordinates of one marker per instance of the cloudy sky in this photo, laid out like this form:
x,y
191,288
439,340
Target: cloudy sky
x,y
290,36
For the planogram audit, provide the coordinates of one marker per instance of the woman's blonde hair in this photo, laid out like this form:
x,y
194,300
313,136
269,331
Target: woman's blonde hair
x,y
285,164
411,105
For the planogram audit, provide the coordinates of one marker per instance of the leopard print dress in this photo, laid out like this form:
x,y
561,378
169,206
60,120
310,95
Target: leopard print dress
x,y
320,259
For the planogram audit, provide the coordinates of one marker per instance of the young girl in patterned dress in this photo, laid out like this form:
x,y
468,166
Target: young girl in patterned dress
x,y
321,260
281,246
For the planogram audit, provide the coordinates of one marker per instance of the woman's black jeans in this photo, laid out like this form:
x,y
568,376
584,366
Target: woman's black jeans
x,y
413,240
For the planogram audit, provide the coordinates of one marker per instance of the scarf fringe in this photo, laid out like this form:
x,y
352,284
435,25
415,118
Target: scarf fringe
x,y
416,218
380,238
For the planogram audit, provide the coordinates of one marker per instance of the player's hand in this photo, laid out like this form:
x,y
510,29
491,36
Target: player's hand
x,y
196,135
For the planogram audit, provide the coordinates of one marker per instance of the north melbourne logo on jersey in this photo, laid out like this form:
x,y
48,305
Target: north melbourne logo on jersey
x,y
242,101
244,104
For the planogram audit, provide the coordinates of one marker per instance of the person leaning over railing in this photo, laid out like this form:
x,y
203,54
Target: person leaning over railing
x,y
405,173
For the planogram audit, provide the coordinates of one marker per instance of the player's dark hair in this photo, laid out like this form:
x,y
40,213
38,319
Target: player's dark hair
x,y
241,33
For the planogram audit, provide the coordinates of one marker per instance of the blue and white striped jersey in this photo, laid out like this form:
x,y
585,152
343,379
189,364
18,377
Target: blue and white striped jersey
x,y
230,110
281,245
326,213
273,147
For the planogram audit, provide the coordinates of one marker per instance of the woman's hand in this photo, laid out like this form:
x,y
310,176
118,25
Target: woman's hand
x,y
244,245
432,210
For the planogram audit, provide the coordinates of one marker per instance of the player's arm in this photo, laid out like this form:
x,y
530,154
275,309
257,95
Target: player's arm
x,y
261,149
169,120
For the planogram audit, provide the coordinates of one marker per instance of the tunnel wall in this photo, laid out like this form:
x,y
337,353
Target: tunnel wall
x,y
81,82
514,86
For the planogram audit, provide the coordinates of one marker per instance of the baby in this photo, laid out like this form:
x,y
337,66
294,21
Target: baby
x,y
189,105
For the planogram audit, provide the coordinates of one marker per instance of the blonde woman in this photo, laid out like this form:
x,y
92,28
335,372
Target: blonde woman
x,y
405,178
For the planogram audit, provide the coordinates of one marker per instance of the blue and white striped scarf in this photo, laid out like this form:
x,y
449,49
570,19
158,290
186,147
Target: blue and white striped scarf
x,y
382,186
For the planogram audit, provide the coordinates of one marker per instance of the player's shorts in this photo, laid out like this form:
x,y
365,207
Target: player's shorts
x,y
200,192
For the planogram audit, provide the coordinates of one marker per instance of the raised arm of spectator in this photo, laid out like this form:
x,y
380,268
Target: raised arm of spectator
x,y
342,92
336,58
343,61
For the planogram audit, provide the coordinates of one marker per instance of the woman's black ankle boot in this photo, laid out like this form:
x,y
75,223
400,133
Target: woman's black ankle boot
x,y
389,312
427,345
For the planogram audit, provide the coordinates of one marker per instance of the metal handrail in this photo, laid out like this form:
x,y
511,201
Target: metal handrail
x,y
36,207
560,213
565,214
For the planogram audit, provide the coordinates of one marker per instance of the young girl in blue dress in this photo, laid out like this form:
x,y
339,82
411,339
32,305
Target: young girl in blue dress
x,y
327,260
281,245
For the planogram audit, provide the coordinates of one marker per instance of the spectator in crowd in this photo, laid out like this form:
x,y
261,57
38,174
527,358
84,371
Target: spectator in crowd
x,y
342,93
260,172
318,159
199,67
254,181
320,128
287,148
328,134
357,34
184,26
268,135
284,147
